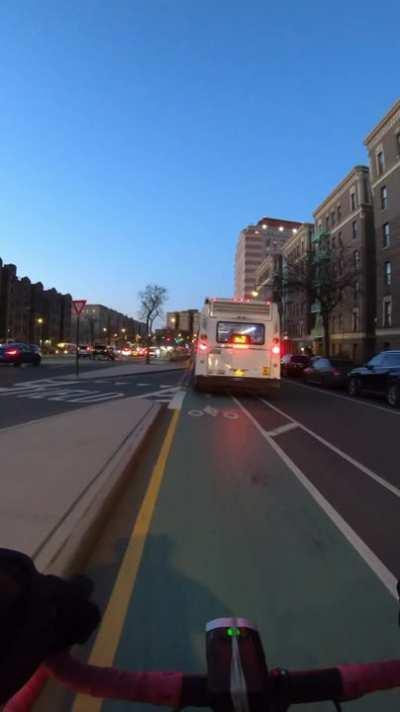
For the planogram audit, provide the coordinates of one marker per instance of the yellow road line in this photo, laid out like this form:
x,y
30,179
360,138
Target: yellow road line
x,y
110,632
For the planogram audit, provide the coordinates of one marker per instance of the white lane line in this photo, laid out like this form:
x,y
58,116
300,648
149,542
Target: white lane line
x,y
374,563
365,470
348,399
177,401
65,395
144,384
282,429
95,398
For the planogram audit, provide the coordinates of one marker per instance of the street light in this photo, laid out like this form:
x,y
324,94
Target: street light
x,y
40,322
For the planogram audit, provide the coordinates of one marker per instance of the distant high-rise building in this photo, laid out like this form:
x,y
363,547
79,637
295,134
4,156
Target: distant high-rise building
x,y
255,243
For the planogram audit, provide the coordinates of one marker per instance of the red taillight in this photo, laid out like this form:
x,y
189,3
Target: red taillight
x,y
202,347
12,352
276,348
335,372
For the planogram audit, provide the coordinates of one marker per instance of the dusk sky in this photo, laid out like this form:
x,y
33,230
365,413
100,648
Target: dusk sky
x,y
139,136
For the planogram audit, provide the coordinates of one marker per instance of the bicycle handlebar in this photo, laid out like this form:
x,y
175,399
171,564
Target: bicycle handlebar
x,y
176,690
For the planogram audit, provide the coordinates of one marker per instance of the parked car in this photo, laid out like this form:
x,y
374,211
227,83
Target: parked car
x,y
294,364
17,353
380,376
328,372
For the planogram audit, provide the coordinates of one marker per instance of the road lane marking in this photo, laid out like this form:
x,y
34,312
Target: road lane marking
x,y
348,399
375,564
109,635
143,384
95,398
177,400
282,429
365,470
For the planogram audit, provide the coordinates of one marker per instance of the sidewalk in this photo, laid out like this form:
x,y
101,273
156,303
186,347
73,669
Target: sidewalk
x,y
59,473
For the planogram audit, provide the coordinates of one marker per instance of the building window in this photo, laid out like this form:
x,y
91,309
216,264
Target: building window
x,y
356,291
356,258
356,320
386,234
387,312
339,212
388,272
340,239
384,197
354,229
380,163
353,200
355,352
332,218
398,143
340,324
333,325
334,242
327,222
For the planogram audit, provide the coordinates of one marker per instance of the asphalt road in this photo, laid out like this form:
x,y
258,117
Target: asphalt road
x,y
284,510
30,393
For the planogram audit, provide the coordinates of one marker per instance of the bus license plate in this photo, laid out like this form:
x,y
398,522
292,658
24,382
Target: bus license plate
x,y
266,371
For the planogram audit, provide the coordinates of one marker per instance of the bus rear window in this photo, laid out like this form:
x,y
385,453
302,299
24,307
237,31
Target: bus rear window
x,y
255,333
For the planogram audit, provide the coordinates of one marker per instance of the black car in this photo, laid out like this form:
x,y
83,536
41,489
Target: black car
x,y
329,372
102,351
294,364
16,353
380,376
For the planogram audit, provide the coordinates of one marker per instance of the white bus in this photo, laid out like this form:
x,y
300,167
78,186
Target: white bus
x,y
238,344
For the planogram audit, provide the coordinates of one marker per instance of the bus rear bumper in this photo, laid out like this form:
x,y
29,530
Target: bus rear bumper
x,y
233,383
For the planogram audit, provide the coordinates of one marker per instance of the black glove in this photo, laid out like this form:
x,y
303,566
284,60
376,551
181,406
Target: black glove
x,y
39,615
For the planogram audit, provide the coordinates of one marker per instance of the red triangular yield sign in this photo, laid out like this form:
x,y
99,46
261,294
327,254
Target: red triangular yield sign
x,y
78,305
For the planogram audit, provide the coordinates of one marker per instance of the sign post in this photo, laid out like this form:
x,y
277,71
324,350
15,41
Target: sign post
x,y
78,305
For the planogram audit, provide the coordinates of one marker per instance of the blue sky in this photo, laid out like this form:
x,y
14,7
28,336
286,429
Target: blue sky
x,y
139,136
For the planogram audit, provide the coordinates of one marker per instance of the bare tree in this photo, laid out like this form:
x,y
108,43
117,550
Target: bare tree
x,y
322,275
151,298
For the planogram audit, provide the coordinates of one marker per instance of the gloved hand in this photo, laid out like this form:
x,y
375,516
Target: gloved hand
x,y
39,615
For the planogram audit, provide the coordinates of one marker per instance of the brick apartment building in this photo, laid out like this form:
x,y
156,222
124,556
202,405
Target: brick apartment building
x,y
345,220
383,145
255,244
297,320
101,324
28,312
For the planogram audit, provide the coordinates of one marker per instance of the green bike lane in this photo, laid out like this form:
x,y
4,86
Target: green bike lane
x,y
234,533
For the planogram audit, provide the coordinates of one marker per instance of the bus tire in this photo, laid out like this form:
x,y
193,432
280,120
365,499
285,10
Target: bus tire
x,y
197,385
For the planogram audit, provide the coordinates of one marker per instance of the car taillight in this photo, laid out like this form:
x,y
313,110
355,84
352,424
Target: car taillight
x,y
202,346
335,372
12,352
276,348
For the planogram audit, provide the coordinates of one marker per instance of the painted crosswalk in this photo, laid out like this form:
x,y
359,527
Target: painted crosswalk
x,y
58,390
